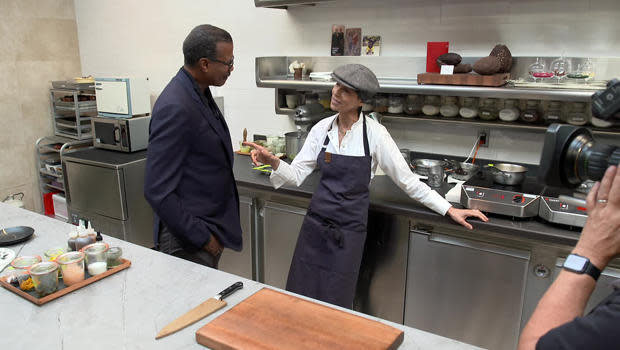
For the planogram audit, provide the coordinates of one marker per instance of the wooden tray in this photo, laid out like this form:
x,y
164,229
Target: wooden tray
x,y
273,320
62,289
467,79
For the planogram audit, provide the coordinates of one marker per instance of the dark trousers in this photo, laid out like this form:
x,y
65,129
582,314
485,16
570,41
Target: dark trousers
x,y
169,244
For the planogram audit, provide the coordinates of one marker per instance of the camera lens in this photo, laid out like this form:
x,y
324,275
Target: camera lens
x,y
587,160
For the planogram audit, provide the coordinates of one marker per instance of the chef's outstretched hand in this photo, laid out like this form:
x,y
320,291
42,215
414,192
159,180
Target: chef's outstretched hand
x,y
459,216
262,155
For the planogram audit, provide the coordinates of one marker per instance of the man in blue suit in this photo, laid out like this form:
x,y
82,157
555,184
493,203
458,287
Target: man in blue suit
x,y
189,178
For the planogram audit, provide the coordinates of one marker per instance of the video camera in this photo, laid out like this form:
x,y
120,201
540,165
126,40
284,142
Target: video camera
x,y
570,154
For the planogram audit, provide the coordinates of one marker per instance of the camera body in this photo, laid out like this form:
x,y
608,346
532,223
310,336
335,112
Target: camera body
x,y
570,154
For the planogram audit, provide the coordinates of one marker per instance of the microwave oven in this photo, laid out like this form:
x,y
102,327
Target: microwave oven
x,y
125,135
122,97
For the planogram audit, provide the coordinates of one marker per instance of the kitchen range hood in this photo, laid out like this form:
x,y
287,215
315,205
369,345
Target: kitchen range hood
x,y
284,4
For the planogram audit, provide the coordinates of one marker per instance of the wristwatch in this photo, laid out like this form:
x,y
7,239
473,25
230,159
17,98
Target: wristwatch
x,y
580,264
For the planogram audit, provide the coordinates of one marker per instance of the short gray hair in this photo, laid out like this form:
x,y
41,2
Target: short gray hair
x,y
202,41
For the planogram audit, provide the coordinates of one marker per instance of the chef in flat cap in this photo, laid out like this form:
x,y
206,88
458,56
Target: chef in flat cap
x,y
347,148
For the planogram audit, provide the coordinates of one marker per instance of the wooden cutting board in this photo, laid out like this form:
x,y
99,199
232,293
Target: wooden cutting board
x,y
463,79
274,320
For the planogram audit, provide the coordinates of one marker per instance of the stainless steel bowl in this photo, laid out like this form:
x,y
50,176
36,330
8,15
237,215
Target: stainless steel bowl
x,y
464,171
422,166
508,174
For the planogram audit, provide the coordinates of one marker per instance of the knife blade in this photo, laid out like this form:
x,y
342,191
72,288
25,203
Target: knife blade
x,y
199,312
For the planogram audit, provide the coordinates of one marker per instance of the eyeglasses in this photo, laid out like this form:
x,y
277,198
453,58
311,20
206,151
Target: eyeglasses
x,y
230,64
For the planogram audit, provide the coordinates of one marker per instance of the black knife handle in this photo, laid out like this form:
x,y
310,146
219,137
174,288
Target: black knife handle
x,y
228,291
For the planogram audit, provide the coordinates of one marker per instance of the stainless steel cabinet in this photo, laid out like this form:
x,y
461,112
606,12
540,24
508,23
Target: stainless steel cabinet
x,y
281,225
465,290
242,263
383,274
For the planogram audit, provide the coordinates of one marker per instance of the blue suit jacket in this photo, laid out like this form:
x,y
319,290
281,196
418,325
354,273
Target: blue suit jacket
x,y
189,178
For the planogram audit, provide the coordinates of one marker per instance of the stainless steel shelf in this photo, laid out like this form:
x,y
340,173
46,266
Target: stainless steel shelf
x,y
49,173
410,86
55,187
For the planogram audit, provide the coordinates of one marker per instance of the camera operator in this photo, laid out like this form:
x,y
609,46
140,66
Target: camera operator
x,y
558,321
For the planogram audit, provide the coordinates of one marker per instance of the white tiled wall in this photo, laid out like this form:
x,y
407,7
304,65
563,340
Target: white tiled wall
x,y
143,37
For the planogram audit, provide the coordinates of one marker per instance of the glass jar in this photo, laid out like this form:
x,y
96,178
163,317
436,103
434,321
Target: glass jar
x,y
381,103
96,259
538,70
554,113
531,113
114,257
431,105
72,267
25,262
44,277
449,108
325,99
470,108
510,112
20,276
488,110
395,104
577,114
368,105
413,104
53,253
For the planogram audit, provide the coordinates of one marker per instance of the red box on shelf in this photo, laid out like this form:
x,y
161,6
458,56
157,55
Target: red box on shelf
x,y
434,49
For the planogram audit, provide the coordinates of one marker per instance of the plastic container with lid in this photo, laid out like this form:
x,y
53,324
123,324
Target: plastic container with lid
x,y
395,104
577,114
510,112
554,113
531,114
469,110
413,104
431,105
449,108
44,277
381,103
488,109
96,257
72,267
53,253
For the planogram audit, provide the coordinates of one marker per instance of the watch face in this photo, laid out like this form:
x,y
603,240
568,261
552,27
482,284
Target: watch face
x,y
575,262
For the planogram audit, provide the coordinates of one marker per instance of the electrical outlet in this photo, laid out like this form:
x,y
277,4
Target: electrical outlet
x,y
483,135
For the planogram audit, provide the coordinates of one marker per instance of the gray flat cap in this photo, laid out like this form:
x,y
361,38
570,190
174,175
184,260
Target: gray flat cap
x,y
359,78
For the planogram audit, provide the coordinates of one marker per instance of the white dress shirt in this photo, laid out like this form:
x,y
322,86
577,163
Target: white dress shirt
x,y
384,152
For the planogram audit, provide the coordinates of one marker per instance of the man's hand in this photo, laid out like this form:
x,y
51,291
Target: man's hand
x,y
600,238
213,247
459,216
261,154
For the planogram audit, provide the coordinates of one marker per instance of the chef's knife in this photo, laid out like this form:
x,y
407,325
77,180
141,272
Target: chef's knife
x,y
199,312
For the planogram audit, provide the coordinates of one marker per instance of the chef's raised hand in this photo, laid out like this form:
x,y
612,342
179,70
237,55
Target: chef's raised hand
x,y
459,216
262,155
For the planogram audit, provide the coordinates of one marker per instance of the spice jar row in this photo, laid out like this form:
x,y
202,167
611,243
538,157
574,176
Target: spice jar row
x,y
30,272
508,110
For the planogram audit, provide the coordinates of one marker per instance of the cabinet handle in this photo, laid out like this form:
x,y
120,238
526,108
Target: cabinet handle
x,y
465,243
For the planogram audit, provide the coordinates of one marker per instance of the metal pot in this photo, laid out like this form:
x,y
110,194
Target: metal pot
x,y
464,171
422,166
294,141
508,174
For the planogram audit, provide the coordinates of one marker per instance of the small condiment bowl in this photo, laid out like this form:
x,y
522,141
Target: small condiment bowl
x,y
72,267
45,277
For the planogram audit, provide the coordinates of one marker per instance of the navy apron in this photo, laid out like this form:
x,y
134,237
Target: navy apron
x,y
329,249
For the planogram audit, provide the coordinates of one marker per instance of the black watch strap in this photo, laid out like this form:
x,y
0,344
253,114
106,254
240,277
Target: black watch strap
x,y
592,270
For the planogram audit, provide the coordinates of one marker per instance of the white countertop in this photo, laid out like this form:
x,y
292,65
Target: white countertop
x,y
127,309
